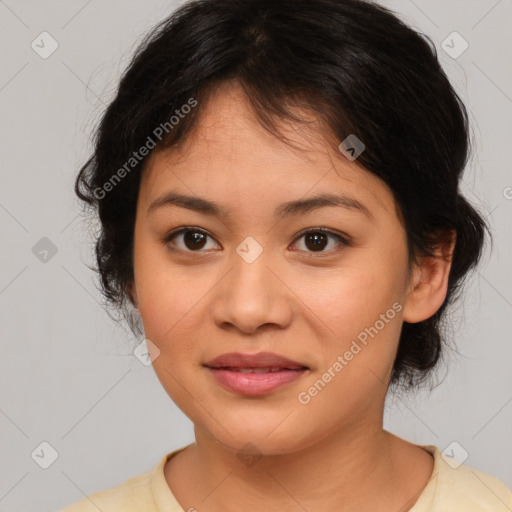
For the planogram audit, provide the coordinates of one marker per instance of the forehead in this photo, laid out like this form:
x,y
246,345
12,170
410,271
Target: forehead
x,y
228,128
229,154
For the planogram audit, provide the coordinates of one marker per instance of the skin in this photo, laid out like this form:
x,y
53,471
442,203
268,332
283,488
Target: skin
x,y
304,304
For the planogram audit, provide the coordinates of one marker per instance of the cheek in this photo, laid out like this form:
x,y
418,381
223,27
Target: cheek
x,y
166,294
351,298
361,305
168,307
361,309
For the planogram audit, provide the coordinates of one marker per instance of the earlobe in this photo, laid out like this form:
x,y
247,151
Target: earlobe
x,y
429,283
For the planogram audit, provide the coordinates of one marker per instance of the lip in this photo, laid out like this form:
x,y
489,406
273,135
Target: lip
x,y
260,360
226,371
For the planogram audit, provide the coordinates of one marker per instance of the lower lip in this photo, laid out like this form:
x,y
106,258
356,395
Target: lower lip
x,y
255,384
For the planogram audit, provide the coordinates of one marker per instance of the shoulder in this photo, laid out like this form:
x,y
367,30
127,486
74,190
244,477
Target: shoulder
x,y
134,492
137,493
455,487
466,486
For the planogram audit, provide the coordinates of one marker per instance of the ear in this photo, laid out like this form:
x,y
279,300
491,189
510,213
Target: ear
x,y
429,282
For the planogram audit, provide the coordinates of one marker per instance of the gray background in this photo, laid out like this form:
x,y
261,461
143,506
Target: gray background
x,y
67,373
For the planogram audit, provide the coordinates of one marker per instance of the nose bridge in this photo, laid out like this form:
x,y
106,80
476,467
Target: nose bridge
x,y
250,295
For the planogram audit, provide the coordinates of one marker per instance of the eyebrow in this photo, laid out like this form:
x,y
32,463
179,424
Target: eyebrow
x,y
300,206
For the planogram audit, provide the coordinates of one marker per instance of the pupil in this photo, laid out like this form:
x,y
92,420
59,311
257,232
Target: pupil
x,y
195,239
318,241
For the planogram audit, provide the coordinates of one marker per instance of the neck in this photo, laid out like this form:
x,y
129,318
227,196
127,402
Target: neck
x,y
361,469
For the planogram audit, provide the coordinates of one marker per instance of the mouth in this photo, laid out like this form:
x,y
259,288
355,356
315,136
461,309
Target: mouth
x,y
254,375
267,369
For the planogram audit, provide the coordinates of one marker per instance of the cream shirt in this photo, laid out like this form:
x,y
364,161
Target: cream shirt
x,y
460,489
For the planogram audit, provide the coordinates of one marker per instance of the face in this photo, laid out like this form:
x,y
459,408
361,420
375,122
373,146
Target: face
x,y
322,284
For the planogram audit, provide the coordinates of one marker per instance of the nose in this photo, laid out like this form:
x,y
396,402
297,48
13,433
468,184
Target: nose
x,y
251,296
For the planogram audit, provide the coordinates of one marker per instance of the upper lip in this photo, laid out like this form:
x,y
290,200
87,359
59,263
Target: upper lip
x,y
260,360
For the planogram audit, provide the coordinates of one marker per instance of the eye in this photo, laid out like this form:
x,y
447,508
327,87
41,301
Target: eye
x,y
316,240
193,239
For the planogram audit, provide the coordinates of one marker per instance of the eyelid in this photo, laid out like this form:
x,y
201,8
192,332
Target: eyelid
x,y
342,236
178,231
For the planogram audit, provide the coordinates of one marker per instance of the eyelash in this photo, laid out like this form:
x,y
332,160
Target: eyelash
x,y
344,241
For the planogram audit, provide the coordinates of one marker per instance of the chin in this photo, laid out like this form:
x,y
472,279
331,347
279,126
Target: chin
x,y
263,439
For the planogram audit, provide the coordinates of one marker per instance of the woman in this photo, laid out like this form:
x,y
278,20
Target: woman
x,y
277,185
